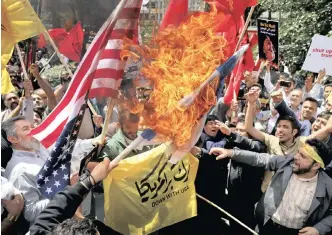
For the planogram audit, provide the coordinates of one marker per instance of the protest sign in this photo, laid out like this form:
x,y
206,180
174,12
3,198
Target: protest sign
x,y
268,41
319,55
146,192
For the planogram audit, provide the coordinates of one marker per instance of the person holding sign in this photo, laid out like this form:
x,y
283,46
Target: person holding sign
x,y
313,88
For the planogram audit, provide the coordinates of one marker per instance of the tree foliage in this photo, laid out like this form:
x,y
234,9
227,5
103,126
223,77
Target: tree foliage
x,y
300,21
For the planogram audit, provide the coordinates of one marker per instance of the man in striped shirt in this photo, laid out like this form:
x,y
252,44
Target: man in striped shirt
x,y
299,197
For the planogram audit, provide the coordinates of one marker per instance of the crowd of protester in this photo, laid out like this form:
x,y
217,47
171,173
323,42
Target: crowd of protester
x,y
266,174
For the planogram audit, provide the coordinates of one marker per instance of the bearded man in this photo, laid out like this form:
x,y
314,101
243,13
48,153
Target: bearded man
x,y
28,158
11,101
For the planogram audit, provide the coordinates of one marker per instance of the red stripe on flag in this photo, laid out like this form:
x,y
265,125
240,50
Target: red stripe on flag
x,y
99,92
108,73
110,54
52,137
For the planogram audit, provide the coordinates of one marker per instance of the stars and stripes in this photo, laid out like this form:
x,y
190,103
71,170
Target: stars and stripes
x,y
54,176
100,71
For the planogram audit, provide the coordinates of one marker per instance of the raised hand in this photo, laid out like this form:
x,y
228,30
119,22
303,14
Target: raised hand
x,y
28,88
101,171
277,96
223,128
252,97
321,75
221,153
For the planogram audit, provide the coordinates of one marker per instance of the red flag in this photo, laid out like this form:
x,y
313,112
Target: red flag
x,y
176,12
99,73
71,46
58,35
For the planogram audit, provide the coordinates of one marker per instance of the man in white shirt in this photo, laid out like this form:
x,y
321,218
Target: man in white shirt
x,y
28,158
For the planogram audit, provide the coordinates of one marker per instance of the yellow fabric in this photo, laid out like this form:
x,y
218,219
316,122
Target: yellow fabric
x,y
144,193
18,22
329,98
308,150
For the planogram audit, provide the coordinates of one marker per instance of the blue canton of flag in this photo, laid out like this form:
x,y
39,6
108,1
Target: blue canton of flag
x,y
54,176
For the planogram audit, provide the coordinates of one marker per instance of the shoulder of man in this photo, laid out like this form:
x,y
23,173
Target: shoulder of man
x,y
113,147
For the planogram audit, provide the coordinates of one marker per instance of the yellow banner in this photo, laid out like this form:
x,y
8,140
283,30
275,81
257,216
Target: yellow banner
x,y
18,22
146,192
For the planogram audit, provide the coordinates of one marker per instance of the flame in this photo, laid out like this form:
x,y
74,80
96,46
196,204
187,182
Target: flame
x,y
177,61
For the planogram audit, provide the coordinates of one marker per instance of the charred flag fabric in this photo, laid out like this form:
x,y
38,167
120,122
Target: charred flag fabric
x,y
146,192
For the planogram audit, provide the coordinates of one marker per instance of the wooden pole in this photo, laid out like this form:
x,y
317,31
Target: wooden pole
x,y
26,77
245,27
110,106
226,213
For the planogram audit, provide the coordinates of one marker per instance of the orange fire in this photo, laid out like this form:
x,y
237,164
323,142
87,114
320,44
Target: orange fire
x,y
177,61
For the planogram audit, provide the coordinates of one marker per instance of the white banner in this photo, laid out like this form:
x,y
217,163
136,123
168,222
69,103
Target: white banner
x,y
319,55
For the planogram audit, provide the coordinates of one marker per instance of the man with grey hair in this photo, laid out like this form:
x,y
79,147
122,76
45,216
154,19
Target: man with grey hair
x,y
28,158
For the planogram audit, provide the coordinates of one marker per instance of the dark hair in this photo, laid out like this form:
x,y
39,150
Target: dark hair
x,y
126,115
38,112
9,125
211,117
257,85
322,149
325,115
293,122
310,99
328,84
6,149
74,227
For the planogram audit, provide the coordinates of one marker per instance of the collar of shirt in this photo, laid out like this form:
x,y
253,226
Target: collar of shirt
x,y
42,153
311,180
287,147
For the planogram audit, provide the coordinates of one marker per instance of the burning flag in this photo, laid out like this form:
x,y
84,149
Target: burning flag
x,y
177,62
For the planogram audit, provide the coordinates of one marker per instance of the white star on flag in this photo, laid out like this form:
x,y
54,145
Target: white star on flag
x,y
65,177
45,168
48,190
63,167
49,158
40,177
55,173
57,184
46,179
68,137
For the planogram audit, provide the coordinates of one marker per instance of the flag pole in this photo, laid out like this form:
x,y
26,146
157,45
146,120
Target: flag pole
x,y
245,27
110,106
226,213
47,35
26,77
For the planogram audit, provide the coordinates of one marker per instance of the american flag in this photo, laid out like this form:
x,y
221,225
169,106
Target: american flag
x,y
100,71
54,176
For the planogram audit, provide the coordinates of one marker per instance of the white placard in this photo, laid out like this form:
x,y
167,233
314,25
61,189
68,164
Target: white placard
x,y
319,55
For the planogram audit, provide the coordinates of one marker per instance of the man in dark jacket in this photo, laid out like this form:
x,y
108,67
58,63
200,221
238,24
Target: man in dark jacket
x,y
243,181
299,197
